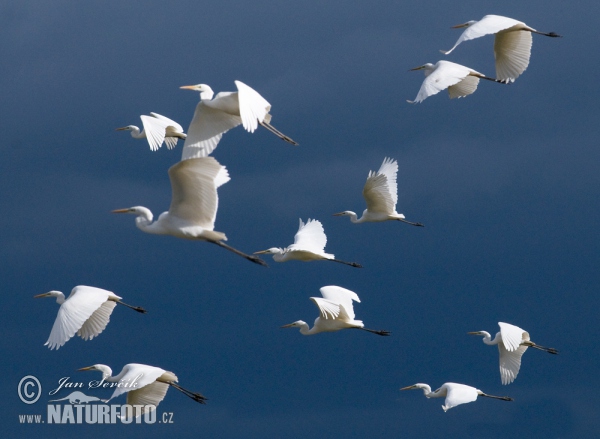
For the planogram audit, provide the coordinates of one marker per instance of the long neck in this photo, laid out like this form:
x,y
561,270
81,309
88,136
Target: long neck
x,y
206,95
143,220
427,391
487,338
305,331
107,372
354,217
136,134
60,298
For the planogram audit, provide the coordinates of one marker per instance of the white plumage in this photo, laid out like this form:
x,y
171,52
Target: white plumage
x,y
455,394
157,129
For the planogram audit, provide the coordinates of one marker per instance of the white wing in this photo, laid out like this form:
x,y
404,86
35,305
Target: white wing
x,y
512,51
253,107
194,192
381,190
310,237
206,129
155,130
464,88
136,378
327,308
490,24
512,336
171,130
458,394
97,321
341,296
149,395
510,363
170,122
445,75
72,314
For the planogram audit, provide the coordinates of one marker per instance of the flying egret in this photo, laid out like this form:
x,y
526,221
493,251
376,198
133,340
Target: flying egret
x,y
309,245
456,394
145,385
512,44
381,195
512,343
194,203
86,312
214,117
460,81
157,129
336,311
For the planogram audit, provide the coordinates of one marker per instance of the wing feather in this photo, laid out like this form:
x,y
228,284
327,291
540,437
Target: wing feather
x,y
310,237
464,88
253,107
72,314
97,321
327,308
206,129
155,130
341,296
150,395
512,336
446,74
458,394
510,362
381,189
512,51
137,377
194,191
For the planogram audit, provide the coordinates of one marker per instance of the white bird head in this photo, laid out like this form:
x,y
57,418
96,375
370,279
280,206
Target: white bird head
x,y
478,333
128,128
467,24
344,213
60,297
106,371
427,66
296,324
270,251
425,387
205,91
136,210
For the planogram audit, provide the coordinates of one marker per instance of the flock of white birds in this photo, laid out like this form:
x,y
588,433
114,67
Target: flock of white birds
x,y
193,210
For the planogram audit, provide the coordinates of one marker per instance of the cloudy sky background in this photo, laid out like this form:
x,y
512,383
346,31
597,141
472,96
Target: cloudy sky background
x,y
506,182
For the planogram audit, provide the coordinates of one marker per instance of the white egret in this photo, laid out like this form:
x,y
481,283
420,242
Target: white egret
x,y
455,394
86,312
512,343
157,129
214,117
194,204
336,312
512,44
145,385
309,245
381,195
460,81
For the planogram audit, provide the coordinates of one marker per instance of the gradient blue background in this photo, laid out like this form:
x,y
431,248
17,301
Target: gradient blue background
x,y
506,182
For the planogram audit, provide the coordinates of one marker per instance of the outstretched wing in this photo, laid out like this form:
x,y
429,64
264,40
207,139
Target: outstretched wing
x,y
341,296
253,107
464,88
327,308
206,129
136,378
171,130
512,336
458,394
97,321
446,74
310,237
155,130
194,190
73,313
381,189
512,51
148,397
490,24
510,363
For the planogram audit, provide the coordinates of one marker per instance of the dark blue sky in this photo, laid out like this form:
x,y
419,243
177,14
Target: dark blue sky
x,y
506,182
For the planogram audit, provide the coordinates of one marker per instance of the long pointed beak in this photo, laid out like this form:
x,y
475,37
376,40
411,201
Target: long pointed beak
x,y
41,295
120,211
121,129
474,333
416,68
287,326
262,252
85,368
458,26
409,387
188,87
338,214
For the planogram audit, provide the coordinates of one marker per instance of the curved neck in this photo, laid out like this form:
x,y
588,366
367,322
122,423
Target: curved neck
x,y
427,391
354,218
487,338
206,95
60,298
305,331
136,134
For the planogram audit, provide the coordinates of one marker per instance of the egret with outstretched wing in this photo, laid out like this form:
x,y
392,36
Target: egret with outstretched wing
x,y
86,312
214,117
381,195
336,313
157,129
455,394
512,343
309,245
512,43
194,204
